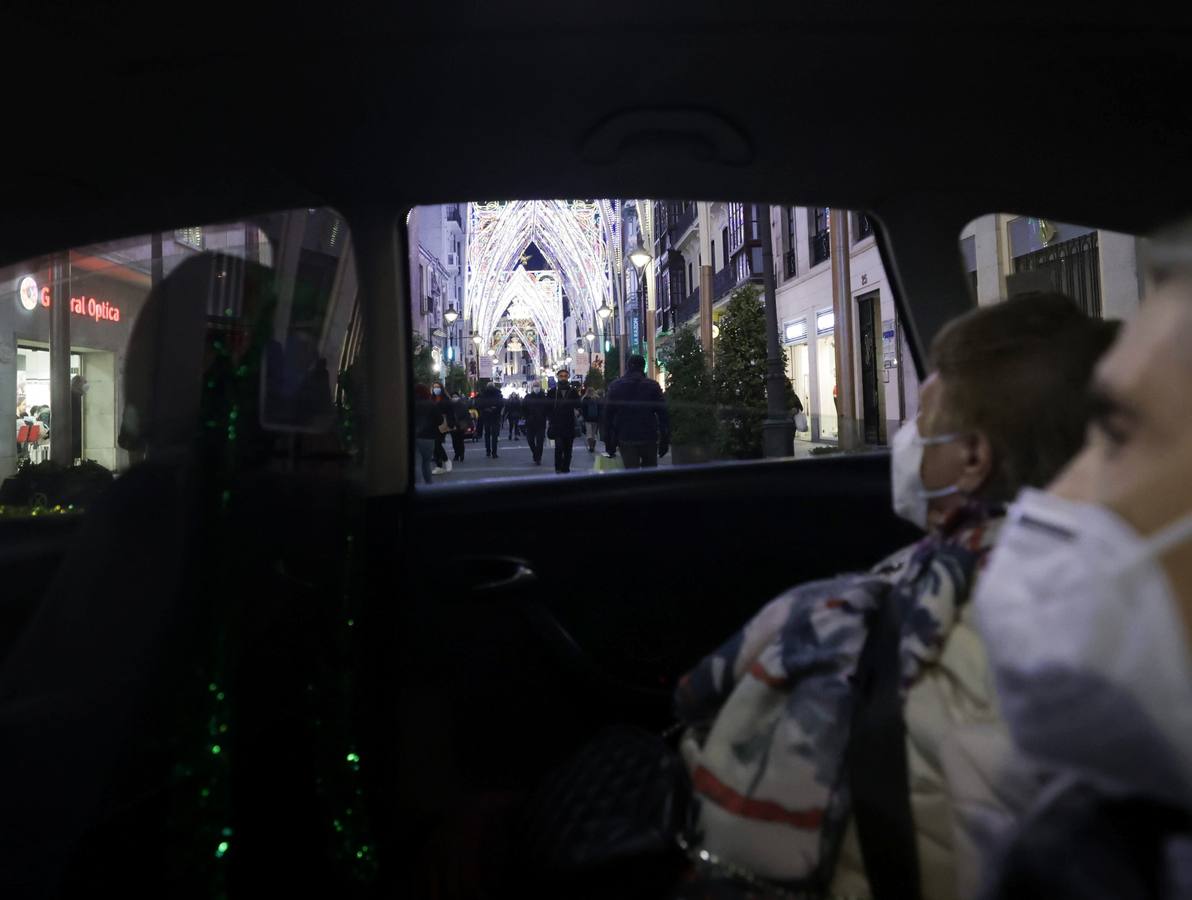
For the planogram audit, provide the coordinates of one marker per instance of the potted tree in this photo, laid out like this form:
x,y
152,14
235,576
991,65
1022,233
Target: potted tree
x,y
691,402
741,375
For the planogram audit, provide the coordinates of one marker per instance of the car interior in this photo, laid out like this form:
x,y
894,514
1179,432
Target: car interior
x,y
495,627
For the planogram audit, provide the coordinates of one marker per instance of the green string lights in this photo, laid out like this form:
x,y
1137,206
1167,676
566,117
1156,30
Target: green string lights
x,y
207,736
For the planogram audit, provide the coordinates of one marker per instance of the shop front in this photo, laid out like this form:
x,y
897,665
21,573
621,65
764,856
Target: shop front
x,y
798,367
826,422
104,298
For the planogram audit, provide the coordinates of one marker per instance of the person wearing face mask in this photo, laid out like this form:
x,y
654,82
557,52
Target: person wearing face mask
x,y
996,414
443,404
1086,607
561,406
535,408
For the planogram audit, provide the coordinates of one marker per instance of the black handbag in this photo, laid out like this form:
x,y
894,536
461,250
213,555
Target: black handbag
x,y
616,809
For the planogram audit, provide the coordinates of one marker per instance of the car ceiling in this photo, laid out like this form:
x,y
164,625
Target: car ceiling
x,y
133,117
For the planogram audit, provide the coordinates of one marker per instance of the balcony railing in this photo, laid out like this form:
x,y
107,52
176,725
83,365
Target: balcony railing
x,y
454,214
681,222
724,281
821,247
743,267
791,260
688,309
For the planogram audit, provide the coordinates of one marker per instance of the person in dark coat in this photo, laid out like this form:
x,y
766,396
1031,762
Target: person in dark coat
x,y
534,409
562,403
590,409
426,429
491,404
443,404
463,419
635,419
513,412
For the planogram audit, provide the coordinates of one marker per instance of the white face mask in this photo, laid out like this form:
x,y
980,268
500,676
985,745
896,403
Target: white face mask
x,y
1087,645
436,391
906,478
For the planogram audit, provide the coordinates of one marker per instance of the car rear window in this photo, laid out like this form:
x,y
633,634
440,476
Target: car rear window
x,y
506,294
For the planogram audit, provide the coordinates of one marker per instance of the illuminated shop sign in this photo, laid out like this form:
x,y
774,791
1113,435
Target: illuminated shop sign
x,y
89,307
795,331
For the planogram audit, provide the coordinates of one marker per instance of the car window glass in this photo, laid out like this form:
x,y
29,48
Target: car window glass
x,y
1006,255
506,295
281,286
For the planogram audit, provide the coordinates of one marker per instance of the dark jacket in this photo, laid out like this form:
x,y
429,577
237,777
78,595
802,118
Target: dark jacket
x,y
513,409
562,403
443,405
490,405
590,408
462,418
427,416
635,411
534,408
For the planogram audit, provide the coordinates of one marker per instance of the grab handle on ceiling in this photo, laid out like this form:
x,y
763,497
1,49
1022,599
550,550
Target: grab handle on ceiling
x,y
708,136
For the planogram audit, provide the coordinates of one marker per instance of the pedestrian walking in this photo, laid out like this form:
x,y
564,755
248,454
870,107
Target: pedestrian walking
x,y
562,406
513,412
491,404
534,408
635,419
462,420
473,408
443,404
427,420
589,408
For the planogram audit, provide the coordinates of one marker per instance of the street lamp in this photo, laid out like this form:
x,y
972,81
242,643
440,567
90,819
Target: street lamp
x,y
567,361
639,255
605,310
590,336
715,331
451,315
477,339
580,348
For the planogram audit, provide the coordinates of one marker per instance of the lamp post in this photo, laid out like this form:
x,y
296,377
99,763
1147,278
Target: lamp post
x,y
777,431
641,257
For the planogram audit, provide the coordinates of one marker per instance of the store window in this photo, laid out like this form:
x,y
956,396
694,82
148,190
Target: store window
x,y
821,247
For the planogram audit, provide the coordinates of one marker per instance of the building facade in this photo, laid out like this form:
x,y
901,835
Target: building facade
x,y
437,266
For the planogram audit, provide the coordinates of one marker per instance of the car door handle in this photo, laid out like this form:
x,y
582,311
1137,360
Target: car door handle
x,y
497,573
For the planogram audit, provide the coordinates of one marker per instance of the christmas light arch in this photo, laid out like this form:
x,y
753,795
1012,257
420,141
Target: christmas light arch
x,y
580,241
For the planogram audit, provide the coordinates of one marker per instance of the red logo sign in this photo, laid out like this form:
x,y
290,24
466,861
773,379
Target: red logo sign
x,y
99,310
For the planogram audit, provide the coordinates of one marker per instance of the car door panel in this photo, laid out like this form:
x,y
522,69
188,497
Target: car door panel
x,y
634,577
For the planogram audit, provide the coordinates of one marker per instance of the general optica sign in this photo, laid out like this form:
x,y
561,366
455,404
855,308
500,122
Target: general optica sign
x,y
88,307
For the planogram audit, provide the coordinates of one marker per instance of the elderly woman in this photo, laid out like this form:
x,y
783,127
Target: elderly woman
x,y
770,713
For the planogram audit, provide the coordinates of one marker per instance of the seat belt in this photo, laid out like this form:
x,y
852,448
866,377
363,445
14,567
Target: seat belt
x,y
879,780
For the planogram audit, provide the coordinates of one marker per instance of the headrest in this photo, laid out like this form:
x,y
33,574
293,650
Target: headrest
x,y
168,351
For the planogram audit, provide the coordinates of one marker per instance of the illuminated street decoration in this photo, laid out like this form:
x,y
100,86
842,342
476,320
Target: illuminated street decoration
x,y
579,239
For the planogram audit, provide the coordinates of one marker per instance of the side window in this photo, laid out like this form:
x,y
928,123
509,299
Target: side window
x,y
1008,255
112,353
579,334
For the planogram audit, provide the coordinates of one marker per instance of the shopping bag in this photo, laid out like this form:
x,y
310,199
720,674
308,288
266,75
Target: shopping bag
x,y
800,421
606,463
